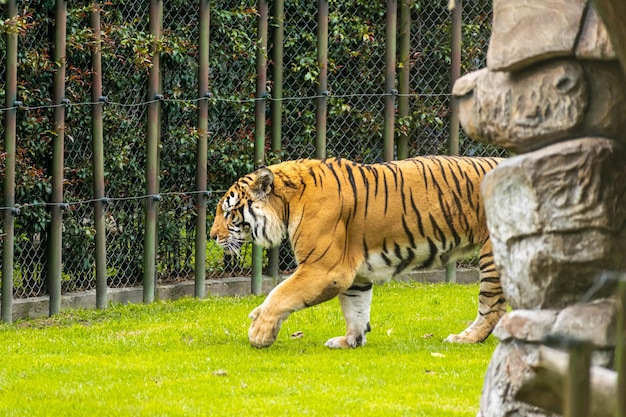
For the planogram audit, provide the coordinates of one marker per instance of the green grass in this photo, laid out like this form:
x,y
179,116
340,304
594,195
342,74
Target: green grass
x,y
192,358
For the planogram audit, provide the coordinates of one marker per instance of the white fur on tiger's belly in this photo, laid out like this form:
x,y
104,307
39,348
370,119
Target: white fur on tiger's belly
x,y
378,270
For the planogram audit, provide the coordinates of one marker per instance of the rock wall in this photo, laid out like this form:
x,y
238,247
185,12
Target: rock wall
x,y
554,94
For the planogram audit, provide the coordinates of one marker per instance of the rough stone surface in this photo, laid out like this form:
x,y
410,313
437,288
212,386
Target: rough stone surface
x,y
507,371
606,108
594,321
523,111
594,42
549,103
557,217
521,332
525,325
529,31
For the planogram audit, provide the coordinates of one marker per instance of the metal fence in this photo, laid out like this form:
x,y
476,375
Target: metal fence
x,y
123,123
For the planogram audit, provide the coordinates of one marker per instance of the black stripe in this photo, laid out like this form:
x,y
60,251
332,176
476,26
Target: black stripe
x,y
386,259
392,167
408,232
374,171
365,249
422,168
397,250
445,210
469,186
485,255
457,183
330,245
480,172
363,288
366,184
286,180
332,169
402,194
386,191
353,185
312,174
249,207
442,170
297,231
437,230
485,265
431,257
384,253
490,294
462,213
337,224
410,256
417,213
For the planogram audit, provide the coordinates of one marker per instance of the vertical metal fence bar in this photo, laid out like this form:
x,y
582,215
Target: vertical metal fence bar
x,y
620,349
261,69
152,162
259,131
322,90
97,103
55,241
201,148
576,389
404,76
390,78
455,73
277,103
10,130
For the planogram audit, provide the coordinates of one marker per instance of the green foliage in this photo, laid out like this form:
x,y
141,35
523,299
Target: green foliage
x,y
355,114
192,357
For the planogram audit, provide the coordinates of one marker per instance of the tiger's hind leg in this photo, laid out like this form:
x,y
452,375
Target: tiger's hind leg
x,y
355,304
491,301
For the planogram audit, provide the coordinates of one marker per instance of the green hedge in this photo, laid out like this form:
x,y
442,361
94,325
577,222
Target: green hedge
x,y
355,115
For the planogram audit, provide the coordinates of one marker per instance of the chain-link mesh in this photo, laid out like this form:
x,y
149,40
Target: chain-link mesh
x,y
355,119
33,154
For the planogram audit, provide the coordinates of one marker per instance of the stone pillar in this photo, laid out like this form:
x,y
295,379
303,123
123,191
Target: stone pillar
x,y
554,94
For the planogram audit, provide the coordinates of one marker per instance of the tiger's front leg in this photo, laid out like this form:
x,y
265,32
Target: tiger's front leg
x,y
265,326
305,288
355,304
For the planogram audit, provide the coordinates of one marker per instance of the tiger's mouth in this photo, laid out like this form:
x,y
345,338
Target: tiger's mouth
x,y
231,245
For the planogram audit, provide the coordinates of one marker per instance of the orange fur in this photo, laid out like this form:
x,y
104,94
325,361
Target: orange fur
x,y
351,225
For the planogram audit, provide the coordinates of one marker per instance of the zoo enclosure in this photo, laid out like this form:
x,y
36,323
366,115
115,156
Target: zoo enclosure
x,y
123,123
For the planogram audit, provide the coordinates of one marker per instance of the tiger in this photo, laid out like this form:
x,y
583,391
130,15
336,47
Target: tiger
x,y
352,225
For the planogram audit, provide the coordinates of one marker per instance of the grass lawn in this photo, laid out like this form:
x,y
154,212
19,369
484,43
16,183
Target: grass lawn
x,y
192,358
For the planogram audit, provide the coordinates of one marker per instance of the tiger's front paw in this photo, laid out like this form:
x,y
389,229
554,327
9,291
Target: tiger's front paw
x,y
464,337
263,329
345,342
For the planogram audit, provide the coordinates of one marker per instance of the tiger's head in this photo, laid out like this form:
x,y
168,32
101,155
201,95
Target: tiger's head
x,y
247,213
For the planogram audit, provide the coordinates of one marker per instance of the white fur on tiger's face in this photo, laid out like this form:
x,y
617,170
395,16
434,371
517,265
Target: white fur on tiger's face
x,y
351,225
242,218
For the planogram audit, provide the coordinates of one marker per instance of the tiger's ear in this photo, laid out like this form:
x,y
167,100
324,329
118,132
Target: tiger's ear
x,y
262,185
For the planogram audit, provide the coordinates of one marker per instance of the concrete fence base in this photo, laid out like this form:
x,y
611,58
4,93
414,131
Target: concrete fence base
x,y
37,307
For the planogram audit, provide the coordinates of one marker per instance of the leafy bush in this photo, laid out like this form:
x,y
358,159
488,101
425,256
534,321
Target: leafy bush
x,y
355,116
